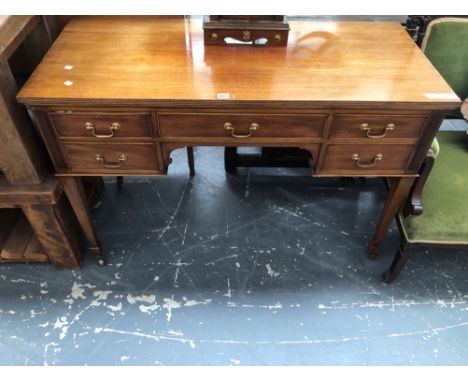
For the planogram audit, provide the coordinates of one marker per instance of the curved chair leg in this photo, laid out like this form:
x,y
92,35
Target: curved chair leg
x,y
395,268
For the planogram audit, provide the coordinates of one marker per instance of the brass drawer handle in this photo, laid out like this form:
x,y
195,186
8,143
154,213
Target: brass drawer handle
x,y
122,158
365,127
356,158
253,126
115,126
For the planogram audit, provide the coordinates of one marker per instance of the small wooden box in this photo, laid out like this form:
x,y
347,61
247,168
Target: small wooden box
x,y
246,30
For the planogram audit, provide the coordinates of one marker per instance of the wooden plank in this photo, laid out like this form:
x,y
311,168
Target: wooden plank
x,y
34,251
17,241
7,220
13,30
22,155
54,24
56,230
14,195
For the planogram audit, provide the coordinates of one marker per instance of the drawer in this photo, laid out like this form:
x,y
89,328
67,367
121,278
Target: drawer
x,y
364,159
241,126
111,157
377,126
102,125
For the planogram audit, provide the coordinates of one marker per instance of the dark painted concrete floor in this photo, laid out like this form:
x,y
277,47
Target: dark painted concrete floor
x,y
267,267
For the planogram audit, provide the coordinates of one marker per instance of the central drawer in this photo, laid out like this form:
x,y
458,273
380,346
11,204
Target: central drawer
x,y
111,157
241,126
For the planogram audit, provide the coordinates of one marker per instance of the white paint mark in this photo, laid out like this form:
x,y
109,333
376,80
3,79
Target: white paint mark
x,y
191,303
221,259
247,186
270,271
175,333
185,233
43,291
282,209
149,308
148,299
228,294
251,306
171,219
321,341
124,358
68,67
176,276
43,284
223,96
101,294
345,233
34,313
117,276
170,304
115,308
68,83
235,361
395,303
46,349
156,278
145,335
63,325
78,290
69,301
238,265
431,331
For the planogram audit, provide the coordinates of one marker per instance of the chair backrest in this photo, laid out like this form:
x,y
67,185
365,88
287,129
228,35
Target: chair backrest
x,y
446,46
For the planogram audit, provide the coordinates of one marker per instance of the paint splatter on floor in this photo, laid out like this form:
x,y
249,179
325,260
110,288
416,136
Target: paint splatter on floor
x,y
265,267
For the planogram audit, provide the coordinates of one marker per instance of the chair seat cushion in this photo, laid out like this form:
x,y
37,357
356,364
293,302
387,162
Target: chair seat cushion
x,y
445,196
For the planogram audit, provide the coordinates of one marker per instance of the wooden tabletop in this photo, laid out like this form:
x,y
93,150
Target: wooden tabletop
x,y
119,60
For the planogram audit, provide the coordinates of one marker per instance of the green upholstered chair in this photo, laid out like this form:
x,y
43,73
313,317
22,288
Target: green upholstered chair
x,y
442,187
446,46
444,220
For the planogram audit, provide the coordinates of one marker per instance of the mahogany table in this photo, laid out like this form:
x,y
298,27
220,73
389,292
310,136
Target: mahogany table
x,y
115,95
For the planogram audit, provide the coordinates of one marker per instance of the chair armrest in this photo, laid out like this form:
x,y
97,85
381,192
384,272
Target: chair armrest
x,y
413,204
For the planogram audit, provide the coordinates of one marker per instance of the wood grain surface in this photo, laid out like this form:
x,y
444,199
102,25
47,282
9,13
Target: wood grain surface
x,y
156,61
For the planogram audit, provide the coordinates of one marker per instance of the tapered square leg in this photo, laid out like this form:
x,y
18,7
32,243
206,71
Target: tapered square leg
x,y
397,195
